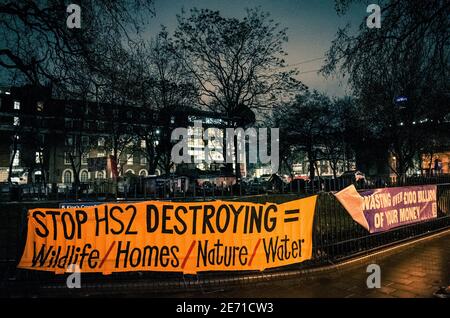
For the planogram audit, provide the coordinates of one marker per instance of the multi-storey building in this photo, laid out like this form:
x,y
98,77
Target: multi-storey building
x,y
42,137
47,139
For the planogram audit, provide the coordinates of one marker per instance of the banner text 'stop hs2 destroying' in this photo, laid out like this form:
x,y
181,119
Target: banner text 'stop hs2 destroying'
x,y
169,236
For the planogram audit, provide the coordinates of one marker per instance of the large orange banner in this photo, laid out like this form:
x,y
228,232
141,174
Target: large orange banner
x,y
168,236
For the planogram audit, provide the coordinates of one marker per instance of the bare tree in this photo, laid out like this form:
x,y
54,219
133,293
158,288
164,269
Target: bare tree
x,y
302,125
38,44
408,57
163,86
78,142
237,64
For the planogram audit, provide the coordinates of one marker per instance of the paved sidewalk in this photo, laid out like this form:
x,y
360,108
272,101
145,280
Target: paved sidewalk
x,y
414,271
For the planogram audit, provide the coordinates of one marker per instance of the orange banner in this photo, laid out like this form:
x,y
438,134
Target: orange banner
x,y
169,236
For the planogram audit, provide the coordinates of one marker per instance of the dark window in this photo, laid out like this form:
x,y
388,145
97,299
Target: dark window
x,y
68,176
84,176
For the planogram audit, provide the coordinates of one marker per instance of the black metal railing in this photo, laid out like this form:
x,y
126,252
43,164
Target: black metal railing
x,y
140,189
335,237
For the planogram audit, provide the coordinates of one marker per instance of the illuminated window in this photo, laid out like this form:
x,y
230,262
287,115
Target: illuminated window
x,y
16,159
39,157
130,160
101,142
16,105
16,121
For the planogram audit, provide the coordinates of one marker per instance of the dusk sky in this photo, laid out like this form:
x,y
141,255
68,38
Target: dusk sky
x,y
312,26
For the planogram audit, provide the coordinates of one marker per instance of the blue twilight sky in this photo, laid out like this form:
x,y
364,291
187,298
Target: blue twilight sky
x,y
312,25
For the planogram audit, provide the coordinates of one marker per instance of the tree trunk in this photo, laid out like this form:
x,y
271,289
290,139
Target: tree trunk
x,y
312,161
311,168
76,176
151,168
43,172
227,165
334,168
11,161
152,160
236,158
430,171
115,185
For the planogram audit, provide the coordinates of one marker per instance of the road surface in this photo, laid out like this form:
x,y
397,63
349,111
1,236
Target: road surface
x,y
414,271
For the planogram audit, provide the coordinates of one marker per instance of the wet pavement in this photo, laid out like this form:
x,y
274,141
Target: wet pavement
x,y
417,270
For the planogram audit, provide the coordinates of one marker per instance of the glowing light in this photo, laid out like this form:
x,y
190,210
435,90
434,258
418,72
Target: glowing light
x,y
400,99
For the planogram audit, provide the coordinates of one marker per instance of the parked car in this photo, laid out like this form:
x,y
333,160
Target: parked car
x,y
257,186
10,192
19,178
